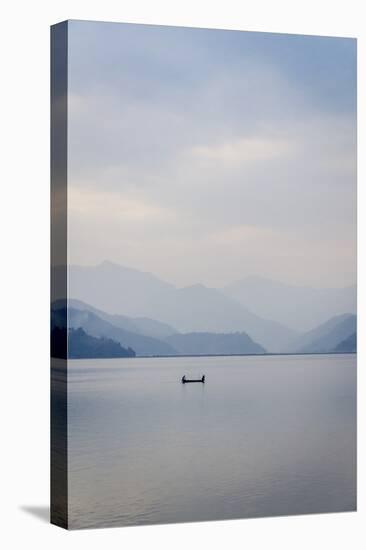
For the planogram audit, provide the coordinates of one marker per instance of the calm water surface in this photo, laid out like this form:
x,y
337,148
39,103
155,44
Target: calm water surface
x,y
263,436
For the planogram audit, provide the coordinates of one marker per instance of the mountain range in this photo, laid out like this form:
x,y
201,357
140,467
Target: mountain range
x,y
328,336
81,345
115,289
90,333
211,343
154,317
96,323
299,307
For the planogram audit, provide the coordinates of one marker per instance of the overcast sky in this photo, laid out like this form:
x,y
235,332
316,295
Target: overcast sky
x,y
207,156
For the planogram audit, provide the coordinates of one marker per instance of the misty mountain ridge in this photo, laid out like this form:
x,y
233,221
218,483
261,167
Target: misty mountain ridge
x,y
197,308
334,335
156,308
139,325
299,307
338,334
81,345
208,343
189,344
97,327
348,345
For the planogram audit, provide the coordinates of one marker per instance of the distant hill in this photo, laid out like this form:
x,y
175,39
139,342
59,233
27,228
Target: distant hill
x,y
327,336
298,307
83,346
335,335
143,305
349,345
93,325
203,309
174,344
139,325
116,289
204,343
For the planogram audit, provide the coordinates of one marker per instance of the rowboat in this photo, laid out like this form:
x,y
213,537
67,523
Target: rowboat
x,y
190,381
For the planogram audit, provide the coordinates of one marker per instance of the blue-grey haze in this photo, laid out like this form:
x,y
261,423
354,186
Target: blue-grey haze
x,y
271,313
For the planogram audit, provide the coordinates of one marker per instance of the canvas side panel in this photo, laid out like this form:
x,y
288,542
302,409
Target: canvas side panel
x,y
59,489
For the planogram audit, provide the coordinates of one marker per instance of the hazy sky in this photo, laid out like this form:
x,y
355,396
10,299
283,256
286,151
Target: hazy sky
x,y
206,155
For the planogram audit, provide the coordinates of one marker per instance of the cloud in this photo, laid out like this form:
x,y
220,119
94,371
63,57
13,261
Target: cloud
x,y
242,151
180,138
98,204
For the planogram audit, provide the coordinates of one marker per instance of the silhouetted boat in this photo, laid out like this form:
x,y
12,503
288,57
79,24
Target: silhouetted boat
x,y
189,381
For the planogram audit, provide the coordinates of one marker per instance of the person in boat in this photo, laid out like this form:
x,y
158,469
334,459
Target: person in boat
x,y
184,379
203,378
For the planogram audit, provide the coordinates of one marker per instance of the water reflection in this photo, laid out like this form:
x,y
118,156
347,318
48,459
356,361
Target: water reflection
x,y
263,436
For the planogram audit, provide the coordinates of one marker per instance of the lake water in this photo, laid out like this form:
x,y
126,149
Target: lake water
x,y
264,436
